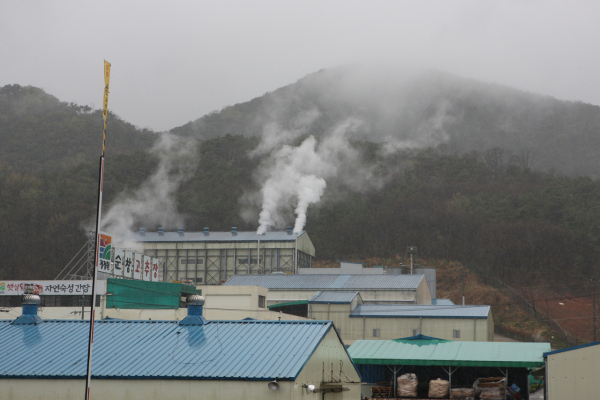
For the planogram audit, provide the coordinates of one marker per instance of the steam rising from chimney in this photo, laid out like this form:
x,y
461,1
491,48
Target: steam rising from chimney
x,y
153,203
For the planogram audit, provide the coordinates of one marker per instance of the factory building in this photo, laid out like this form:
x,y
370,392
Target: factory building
x,y
374,289
209,258
193,358
356,320
572,373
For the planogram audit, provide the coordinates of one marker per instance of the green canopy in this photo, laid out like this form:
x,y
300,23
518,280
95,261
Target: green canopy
x,y
126,293
437,352
288,303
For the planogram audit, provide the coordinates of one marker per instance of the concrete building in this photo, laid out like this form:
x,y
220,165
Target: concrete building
x,y
356,320
346,267
572,373
209,258
190,359
374,289
142,300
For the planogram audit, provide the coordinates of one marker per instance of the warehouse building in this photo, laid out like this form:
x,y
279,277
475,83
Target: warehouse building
x,y
190,359
356,320
374,289
572,373
209,258
380,362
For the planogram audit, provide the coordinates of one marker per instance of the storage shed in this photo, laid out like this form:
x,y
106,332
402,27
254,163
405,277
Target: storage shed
x,y
572,373
459,362
189,359
208,258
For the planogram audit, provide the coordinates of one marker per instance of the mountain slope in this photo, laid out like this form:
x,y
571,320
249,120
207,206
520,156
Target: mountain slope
x,y
420,109
38,132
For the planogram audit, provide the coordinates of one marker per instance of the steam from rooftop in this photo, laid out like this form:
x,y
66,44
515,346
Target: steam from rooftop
x,y
153,203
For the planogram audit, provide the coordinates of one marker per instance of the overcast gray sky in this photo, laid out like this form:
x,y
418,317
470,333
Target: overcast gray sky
x,y
174,61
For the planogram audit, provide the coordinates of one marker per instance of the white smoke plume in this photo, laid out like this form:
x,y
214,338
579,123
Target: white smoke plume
x,y
296,176
153,202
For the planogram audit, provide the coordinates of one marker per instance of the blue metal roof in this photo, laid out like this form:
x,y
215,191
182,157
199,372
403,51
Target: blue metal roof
x,y
417,311
335,297
240,350
328,282
581,346
211,237
442,302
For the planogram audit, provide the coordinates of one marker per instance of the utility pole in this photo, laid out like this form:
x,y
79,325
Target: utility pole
x,y
411,250
594,306
463,284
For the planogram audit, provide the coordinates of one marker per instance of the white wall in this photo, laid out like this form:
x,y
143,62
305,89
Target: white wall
x,y
574,374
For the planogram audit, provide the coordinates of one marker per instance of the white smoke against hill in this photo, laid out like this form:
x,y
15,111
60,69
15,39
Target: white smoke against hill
x,y
296,177
154,203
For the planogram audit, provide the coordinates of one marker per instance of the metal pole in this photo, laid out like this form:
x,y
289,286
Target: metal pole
x,y
594,307
94,276
411,263
97,250
463,285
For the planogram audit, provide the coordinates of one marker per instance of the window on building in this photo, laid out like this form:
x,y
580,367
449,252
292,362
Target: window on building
x,y
456,334
262,300
192,261
375,332
416,332
252,260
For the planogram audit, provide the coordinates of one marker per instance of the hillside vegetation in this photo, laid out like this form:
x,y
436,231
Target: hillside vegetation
x,y
423,108
503,182
40,133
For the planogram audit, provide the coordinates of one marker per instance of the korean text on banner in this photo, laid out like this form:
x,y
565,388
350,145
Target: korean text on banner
x,y
128,264
147,272
155,263
138,265
118,261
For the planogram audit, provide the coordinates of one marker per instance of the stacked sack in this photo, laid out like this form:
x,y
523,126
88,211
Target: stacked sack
x,y
438,388
407,385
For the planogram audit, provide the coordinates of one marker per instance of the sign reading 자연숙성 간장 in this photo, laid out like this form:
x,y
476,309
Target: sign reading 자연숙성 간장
x,y
60,288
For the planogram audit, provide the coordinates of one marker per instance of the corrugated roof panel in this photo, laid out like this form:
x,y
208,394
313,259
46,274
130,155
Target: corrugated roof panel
x,y
417,311
336,297
442,302
448,353
329,282
211,237
251,350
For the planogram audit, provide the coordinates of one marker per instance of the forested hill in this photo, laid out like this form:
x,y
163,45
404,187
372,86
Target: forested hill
x,y
38,132
421,109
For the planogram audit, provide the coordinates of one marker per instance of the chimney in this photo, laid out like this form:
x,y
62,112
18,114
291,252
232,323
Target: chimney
x,y
289,230
31,302
194,307
142,231
206,232
234,231
181,232
161,232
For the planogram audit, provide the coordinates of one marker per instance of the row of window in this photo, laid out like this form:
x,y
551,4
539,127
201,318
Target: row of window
x,y
455,333
195,261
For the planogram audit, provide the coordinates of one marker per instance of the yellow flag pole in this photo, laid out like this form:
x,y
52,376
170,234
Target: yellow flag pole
x,y
98,218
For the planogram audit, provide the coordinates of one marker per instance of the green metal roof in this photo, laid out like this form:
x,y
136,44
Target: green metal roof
x,y
288,303
437,352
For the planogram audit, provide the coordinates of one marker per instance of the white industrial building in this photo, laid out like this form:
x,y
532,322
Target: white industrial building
x,y
194,358
374,289
209,258
572,373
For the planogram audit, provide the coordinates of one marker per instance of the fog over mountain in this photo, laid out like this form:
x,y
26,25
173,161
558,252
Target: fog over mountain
x,y
419,108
